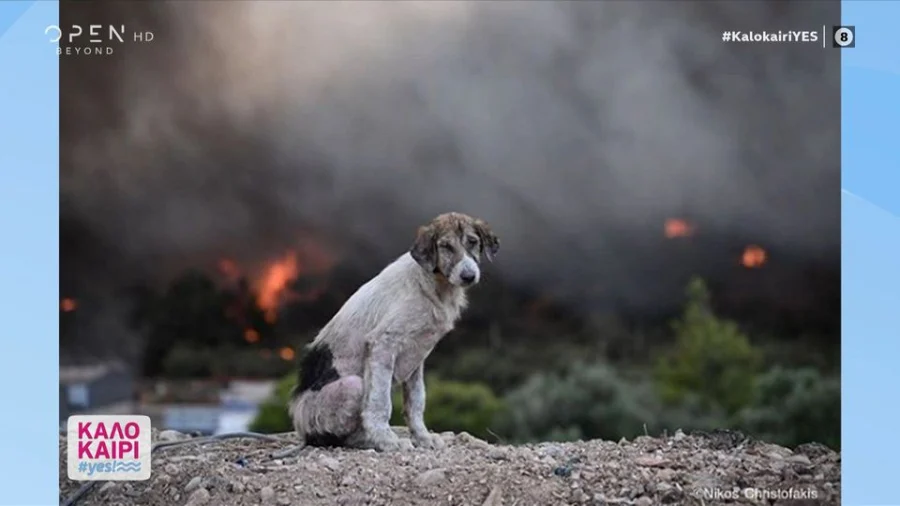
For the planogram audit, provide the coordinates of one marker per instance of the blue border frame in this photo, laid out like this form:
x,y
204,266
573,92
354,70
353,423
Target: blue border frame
x,y
29,212
29,228
870,253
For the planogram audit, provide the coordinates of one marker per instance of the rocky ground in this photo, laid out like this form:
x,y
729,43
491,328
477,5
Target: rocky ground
x,y
704,469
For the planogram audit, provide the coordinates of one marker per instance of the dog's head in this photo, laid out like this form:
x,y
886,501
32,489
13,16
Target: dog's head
x,y
453,245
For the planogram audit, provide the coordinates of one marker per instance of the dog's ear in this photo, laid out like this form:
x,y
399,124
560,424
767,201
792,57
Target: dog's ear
x,y
424,249
490,244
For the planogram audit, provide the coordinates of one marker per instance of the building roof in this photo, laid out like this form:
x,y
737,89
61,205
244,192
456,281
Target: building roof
x,y
87,373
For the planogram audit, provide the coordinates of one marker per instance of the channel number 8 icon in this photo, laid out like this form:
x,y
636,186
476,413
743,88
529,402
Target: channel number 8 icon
x,y
844,36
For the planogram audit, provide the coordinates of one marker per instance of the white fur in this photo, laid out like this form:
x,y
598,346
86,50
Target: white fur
x,y
467,265
383,333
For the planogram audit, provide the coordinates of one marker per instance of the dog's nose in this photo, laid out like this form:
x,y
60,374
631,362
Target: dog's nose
x,y
467,277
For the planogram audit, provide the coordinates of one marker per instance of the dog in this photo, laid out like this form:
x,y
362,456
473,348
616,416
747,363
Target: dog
x,y
383,333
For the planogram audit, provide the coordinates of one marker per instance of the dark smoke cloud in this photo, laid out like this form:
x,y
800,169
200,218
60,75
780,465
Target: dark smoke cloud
x,y
574,128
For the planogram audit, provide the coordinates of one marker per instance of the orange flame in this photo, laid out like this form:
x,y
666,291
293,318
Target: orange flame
x,y
251,336
67,305
229,269
676,227
753,257
274,283
286,353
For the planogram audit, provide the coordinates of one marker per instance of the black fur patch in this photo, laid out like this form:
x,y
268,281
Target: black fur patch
x,y
316,370
326,440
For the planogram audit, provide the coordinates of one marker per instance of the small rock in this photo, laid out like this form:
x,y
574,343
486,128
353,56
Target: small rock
x,y
193,485
348,481
494,498
171,469
623,441
679,435
564,471
198,498
650,461
236,487
329,463
430,478
799,458
107,487
267,495
474,442
643,501
284,501
580,497
497,453
171,435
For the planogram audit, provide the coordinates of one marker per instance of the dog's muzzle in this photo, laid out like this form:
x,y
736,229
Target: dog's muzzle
x,y
466,273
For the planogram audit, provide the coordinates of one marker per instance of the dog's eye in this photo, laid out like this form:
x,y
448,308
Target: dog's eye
x,y
447,246
471,242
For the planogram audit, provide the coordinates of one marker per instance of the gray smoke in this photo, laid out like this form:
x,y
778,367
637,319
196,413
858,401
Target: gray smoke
x,y
568,126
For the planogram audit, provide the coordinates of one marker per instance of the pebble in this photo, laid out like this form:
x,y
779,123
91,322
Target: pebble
x,y
679,435
108,486
267,495
171,435
171,469
198,498
430,478
643,501
329,463
580,496
194,484
473,441
497,453
650,461
494,498
799,459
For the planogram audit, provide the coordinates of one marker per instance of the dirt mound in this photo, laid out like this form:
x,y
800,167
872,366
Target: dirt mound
x,y
717,468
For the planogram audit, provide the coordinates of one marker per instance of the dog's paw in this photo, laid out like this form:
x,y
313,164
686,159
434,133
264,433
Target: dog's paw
x,y
429,441
397,444
385,440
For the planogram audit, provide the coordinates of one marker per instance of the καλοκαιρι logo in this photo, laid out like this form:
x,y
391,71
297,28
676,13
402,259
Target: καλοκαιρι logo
x,y
108,447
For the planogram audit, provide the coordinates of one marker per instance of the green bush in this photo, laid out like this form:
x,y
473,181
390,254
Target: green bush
x,y
712,359
451,405
273,416
585,402
795,406
455,406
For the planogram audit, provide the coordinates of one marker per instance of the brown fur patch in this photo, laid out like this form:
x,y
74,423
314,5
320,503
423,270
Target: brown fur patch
x,y
448,237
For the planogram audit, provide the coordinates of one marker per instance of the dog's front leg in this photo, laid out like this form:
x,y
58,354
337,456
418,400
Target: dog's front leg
x,y
414,411
376,409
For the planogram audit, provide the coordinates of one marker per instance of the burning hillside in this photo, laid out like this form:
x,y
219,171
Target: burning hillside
x,y
576,138
277,282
